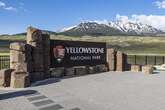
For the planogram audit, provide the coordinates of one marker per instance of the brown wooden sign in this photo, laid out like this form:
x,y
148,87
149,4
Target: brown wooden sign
x,y
76,53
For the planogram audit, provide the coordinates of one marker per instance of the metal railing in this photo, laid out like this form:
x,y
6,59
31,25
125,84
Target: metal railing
x,y
132,59
146,59
4,62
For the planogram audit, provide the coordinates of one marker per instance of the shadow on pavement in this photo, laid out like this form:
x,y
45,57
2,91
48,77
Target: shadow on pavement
x,y
9,95
46,82
156,72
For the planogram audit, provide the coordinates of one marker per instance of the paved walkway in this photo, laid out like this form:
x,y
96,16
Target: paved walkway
x,y
106,91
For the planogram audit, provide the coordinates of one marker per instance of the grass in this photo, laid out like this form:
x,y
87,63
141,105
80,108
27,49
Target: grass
x,y
132,45
4,54
128,44
12,38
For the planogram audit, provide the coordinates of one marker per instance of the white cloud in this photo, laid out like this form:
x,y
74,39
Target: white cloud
x,y
2,4
153,20
160,4
10,8
5,7
101,21
122,18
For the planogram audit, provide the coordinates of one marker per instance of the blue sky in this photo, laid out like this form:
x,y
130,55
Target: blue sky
x,y
17,15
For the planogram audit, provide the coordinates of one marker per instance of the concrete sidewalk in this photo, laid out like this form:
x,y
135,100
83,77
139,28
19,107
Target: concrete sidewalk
x,y
106,91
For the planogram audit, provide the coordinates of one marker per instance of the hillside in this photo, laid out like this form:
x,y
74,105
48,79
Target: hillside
x,y
128,44
112,28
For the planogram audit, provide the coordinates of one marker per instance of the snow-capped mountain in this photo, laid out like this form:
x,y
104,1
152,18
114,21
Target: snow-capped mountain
x,y
111,28
134,28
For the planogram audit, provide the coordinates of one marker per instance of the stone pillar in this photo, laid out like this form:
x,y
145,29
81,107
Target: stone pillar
x,y
121,61
40,53
135,68
46,43
147,69
111,59
34,39
17,54
19,79
20,58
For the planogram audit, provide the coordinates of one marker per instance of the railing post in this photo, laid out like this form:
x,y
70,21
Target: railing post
x,y
163,59
135,60
155,60
0,62
146,62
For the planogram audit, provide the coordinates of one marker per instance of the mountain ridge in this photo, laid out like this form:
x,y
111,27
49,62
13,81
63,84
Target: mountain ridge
x,y
111,28
96,28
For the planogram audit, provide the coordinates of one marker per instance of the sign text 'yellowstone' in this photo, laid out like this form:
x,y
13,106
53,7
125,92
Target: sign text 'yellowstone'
x,y
76,53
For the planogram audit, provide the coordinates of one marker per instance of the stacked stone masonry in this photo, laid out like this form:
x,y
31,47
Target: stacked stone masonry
x,y
19,62
116,60
39,43
111,59
121,61
30,62
77,71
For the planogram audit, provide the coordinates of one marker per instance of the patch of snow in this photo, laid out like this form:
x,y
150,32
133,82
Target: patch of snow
x,y
69,28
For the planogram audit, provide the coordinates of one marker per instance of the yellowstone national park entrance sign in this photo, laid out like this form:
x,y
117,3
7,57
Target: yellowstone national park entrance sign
x,y
31,61
76,53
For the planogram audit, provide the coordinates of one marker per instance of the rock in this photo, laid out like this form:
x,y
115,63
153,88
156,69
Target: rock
x,y
17,58
5,76
92,69
135,68
69,72
111,59
37,46
21,67
57,72
33,35
80,70
18,46
19,80
147,69
101,68
20,55
17,54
